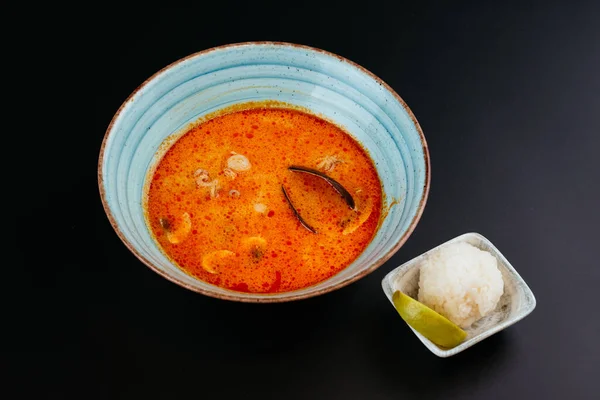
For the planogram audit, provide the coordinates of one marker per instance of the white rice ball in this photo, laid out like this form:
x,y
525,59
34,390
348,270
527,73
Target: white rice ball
x,y
461,282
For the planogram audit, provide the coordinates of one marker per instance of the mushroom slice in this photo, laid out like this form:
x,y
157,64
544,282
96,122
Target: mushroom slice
x,y
260,208
238,163
177,234
212,262
357,218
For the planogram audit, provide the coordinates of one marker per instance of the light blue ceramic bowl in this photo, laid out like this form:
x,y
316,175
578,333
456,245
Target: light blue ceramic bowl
x,y
205,82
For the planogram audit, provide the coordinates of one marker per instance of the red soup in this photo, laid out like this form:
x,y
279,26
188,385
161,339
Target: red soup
x,y
225,206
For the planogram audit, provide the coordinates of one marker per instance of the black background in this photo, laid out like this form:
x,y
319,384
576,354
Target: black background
x,y
509,100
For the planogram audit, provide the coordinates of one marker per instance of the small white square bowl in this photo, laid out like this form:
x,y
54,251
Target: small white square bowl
x,y
515,304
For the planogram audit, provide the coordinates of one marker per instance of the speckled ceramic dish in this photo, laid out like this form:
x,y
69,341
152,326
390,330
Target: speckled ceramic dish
x,y
515,304
323,83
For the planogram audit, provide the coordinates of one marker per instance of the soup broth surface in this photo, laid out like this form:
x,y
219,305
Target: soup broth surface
x,y
217,209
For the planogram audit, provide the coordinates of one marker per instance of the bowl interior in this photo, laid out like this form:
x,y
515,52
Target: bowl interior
x,y
320,82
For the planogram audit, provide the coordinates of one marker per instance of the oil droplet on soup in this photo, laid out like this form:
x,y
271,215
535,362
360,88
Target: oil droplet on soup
x,y
216,207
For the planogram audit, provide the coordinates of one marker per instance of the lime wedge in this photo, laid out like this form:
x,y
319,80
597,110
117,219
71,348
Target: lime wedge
x,y
427,322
